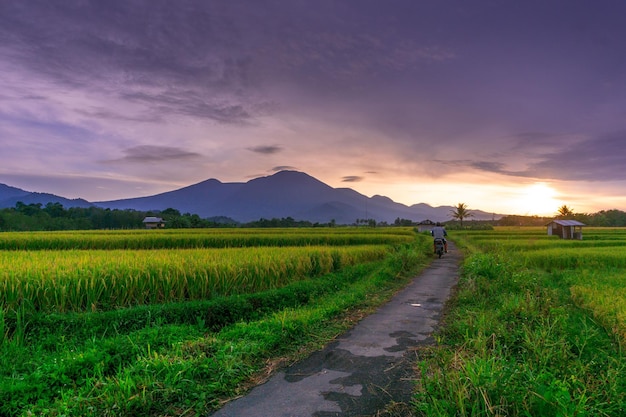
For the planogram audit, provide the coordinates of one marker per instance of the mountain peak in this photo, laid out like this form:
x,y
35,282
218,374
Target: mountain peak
x,y
6,191
287,174
289,178
382,198
286,193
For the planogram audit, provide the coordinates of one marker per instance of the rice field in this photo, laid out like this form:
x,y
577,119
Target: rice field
x,y
171,322
79,280
94,271
595,266
536,328
604,294
200,238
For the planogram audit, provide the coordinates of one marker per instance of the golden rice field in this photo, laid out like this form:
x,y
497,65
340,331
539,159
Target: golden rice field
x,y
200,238
595,266
93,271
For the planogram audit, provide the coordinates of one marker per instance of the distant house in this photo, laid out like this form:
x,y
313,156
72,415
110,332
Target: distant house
x,y
566,229
425,226
154,223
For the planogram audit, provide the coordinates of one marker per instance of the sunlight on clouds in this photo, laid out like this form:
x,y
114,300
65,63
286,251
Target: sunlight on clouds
x,y
480,192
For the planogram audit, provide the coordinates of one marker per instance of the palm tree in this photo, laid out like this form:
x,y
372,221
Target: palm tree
x,y
565,211
461,212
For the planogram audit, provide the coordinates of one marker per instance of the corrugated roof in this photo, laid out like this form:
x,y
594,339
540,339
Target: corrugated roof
x,y
152,220
568,222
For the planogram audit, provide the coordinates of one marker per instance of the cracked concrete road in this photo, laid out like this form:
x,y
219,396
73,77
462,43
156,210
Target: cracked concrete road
x,y
367,367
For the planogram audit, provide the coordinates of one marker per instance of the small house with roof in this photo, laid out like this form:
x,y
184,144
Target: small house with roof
x,y
566,229
425,226
153,223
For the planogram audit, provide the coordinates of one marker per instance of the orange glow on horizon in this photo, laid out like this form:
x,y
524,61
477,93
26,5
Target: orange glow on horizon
x,y
538,199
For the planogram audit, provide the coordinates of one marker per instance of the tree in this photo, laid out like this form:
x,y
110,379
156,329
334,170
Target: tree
x,y
565,211
29,210
170,212
461,212
402,222
613,218
54,209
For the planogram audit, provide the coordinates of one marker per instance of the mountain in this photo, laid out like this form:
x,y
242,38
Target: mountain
x,y
9,196
204,197
284,194
7,192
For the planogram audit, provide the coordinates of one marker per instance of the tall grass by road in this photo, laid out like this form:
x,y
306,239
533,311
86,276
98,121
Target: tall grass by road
x,y
535,329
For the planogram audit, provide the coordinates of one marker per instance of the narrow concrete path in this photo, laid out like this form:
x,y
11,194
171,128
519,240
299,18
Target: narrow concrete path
x,y
366,368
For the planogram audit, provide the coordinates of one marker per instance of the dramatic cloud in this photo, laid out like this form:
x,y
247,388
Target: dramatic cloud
x,y
150,154
283,168
438,98
496,167
188,103
352,178
266,149
601,159
102,113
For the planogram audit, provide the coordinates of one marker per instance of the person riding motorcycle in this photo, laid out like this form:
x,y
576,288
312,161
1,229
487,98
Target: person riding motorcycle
x,y
438,232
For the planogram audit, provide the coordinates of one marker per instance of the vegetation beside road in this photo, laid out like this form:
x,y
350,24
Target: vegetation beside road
x,y
536,328
185,355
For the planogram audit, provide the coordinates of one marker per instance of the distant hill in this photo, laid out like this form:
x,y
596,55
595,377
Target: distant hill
x,y
200,198
284,194
7,192
9,196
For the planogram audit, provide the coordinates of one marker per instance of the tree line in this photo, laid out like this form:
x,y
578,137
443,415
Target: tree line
x,y
603,218
54,216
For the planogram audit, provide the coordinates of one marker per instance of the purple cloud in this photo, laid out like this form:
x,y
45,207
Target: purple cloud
x,y
151,153
351,178
266,149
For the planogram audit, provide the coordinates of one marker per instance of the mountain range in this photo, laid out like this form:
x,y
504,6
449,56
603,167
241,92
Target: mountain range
x,y
10,196
284,194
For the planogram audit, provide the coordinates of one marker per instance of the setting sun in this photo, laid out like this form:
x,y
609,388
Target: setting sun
x,y
538,199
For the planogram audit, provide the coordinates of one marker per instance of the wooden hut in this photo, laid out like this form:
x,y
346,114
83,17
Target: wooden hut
x,y
566,229
425,225
153,223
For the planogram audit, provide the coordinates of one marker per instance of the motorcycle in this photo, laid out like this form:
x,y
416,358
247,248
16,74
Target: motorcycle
x,y
439,247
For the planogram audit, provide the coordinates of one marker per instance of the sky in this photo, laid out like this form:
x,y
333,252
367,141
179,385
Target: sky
x,y
511,107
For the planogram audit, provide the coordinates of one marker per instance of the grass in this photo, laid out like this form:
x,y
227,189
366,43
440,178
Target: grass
x,y
521,337
201,238
185,358
80,280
